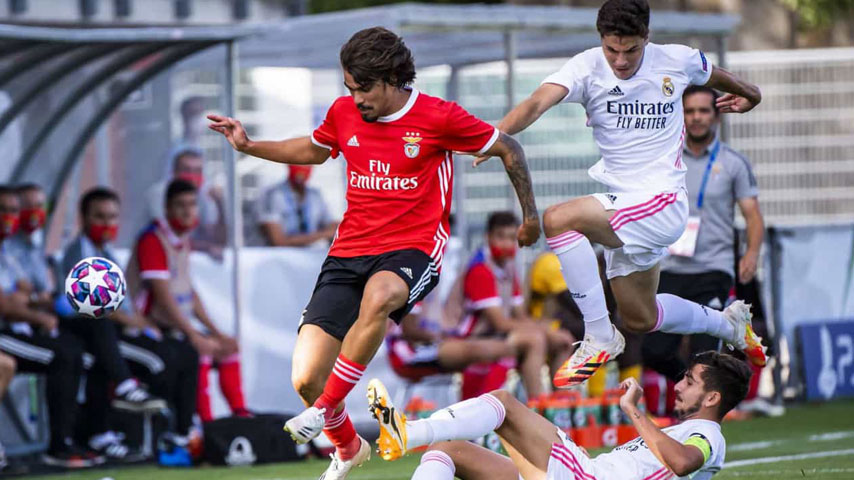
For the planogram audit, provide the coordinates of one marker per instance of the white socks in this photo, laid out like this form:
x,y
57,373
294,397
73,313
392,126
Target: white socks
x,y
467,420
580,270
435,465
677,315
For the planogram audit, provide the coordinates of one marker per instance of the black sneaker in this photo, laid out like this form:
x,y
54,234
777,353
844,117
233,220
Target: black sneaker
x,y
138,400
111,445
72,457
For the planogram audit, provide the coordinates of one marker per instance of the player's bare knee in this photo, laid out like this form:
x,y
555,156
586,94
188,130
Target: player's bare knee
x,y
559,219
379,303
638,322
505,397
8,365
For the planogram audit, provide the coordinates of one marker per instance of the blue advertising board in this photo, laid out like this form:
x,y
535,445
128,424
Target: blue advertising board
x,y
827,358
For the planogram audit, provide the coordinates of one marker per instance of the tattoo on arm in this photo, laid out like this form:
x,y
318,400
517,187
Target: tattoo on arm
x,y
637,415
517,170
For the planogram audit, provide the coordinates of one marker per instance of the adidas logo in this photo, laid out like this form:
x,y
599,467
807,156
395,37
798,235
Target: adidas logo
x,y
353,142
407,271
611,197
614,91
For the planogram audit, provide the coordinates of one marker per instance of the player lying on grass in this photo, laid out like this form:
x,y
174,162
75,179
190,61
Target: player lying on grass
x,y
713,384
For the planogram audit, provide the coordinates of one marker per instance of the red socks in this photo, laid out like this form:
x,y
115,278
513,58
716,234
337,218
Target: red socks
x,y
345,375
339,429
203,397
231,384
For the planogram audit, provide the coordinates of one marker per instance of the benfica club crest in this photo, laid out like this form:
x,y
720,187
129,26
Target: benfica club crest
x,y
411,149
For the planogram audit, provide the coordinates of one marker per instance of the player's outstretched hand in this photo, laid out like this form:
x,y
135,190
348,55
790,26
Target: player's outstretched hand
x,y
528,232
729,103
633,394
232,130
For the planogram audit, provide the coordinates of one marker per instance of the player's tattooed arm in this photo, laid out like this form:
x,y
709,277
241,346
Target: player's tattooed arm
x,y
740,96
513,156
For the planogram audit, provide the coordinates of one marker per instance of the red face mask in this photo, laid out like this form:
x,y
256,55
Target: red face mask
x,y
298,175
180,227
101,234
8,225
195,178
501,253
32,219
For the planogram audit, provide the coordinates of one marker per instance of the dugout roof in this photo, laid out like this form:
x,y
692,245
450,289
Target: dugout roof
x,y
52,78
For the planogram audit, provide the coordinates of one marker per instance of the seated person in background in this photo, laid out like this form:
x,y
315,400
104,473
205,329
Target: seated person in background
x,y
292,214
27,246
159,281
494,304
551,301
417,348
186,162
32,337
125,345
7,371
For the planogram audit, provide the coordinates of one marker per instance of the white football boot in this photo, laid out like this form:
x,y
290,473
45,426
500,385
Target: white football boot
x,y
307,425
339,469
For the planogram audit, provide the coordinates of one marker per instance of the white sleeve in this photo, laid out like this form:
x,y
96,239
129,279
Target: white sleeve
x,y
697,66
572,76
716,442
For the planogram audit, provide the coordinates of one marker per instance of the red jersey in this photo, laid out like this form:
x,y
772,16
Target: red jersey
x,y
487,285
399,172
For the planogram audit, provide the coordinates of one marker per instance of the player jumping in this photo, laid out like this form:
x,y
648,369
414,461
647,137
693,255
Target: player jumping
x,y
713,384
387,254
632,92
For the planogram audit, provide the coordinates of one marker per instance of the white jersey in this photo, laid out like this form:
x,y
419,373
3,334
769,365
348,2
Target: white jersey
x,y
637,123
633,460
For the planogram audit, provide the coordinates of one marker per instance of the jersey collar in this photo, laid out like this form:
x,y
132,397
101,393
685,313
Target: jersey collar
x,y
403,111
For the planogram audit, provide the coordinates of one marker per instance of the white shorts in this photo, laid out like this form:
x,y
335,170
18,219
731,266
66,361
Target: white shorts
x,y
646,223
568,462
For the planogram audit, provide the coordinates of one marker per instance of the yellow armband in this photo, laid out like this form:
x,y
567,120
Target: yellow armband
x,y
700,442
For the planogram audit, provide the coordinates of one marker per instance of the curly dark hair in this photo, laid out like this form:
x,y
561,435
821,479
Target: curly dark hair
x,y
724,374
378,54
624,18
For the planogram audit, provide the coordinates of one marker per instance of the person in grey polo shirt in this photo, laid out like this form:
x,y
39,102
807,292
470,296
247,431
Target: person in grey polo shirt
x,y
701,265
27,246
291,214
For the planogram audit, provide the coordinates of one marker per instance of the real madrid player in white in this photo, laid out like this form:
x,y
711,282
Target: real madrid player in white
x,y
713,384
632,91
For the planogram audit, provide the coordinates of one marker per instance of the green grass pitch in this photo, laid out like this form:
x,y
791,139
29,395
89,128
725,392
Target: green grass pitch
x,y
788,447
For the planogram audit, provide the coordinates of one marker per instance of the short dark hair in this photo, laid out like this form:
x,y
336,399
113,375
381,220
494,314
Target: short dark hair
x,y
187,151
694,89
375,54
28,187
624,18
500,219
97,194
8,190
179,187
726,375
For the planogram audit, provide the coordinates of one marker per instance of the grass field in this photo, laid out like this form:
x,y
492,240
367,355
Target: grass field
x,y
794,446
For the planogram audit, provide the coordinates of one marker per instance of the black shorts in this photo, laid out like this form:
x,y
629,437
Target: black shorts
x,y
334,304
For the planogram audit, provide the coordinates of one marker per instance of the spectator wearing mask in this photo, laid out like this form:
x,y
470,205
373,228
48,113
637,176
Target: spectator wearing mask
x,y
32,337
159,280
494,306
292,214
124,345
27,245
186,162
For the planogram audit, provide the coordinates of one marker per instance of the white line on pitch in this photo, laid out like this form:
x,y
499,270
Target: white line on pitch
x,y
784,458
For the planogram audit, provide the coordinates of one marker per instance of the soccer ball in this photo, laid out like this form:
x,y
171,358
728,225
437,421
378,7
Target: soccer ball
x,y
95,287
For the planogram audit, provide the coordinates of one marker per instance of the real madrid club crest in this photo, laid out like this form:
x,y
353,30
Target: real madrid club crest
x,y
667,87
411,148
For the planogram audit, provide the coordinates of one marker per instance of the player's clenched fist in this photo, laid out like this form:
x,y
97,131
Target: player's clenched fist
x,y
529,232
232,130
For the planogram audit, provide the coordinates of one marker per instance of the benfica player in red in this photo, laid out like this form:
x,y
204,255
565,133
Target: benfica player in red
x,y
387,254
